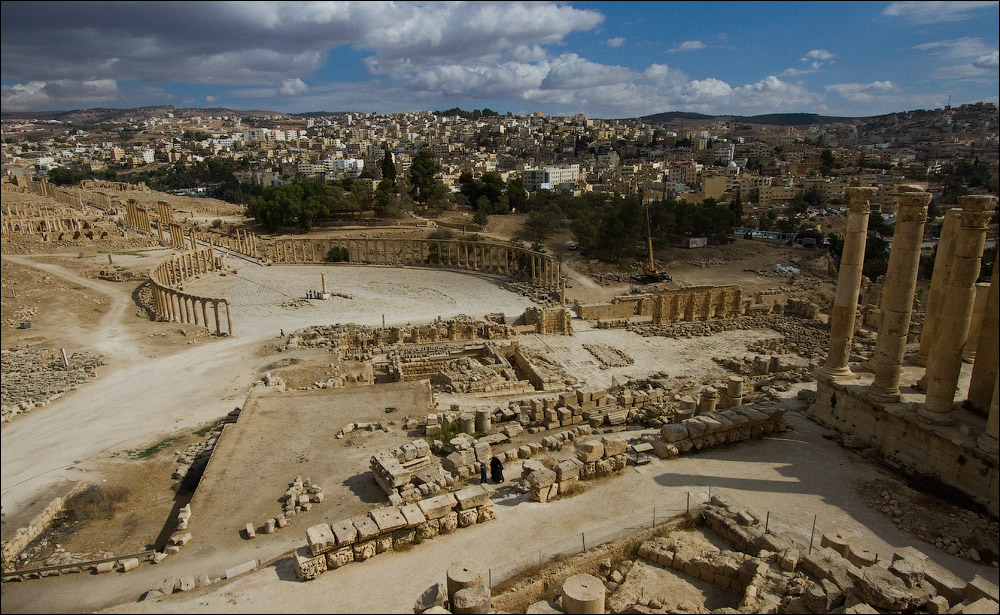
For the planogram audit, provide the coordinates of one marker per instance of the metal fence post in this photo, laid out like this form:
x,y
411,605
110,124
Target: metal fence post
x,y
767,521
583,536
812,535
689,503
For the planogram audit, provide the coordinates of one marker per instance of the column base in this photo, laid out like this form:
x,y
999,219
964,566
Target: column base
x,y
885,396
935,418
988,444
835,375
918,359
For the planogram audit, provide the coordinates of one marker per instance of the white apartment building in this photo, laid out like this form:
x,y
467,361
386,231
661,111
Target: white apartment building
x,y
551,178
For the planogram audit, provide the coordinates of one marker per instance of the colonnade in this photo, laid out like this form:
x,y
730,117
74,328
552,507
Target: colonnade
x,y
949,309
698,303
485,257
174,305
137,218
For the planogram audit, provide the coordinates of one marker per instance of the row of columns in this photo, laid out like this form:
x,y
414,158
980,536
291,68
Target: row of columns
x,y
177,236
541,270
697,304
180,267
949,309
137,218
44,224
163,211
176,306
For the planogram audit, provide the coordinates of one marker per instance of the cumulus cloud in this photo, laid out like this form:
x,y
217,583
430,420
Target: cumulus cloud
x,y
966,47
817,54
687,46
615,42
924,12
861,92
292,87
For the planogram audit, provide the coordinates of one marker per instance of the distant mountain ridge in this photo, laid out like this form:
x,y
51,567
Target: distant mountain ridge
x,y
104,115
775,119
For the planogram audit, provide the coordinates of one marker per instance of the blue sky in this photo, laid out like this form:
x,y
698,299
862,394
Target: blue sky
x,y
604,59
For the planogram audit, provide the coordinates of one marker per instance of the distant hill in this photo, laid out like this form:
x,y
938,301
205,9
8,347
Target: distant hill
x,y
103,115
774,119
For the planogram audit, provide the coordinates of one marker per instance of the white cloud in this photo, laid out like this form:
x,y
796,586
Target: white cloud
x,y
818,54
64,93
990,60
966,47
980,59
794,72
861,92
924,12
615,42
687,46
211,99
292,87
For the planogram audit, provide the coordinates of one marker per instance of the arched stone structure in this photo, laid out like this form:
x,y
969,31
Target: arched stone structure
x,y
173,305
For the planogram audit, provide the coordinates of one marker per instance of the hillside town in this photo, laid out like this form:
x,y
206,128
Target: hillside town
x,y
686,157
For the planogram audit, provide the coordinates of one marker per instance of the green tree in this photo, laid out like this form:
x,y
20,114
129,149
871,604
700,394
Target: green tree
x,y
423,171
388,167
517,196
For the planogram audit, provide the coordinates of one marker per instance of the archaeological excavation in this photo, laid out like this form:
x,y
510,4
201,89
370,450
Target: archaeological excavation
x,y
236,419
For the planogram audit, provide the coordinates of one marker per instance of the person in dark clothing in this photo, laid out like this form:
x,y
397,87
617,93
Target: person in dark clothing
x,y
482,474
496,467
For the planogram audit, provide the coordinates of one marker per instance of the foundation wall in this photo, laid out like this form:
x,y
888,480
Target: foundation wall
x,y
910,446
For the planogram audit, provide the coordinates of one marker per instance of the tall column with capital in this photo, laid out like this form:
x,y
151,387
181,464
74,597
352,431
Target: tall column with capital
x,y
984,370
901,282
942,269
944,362
845,305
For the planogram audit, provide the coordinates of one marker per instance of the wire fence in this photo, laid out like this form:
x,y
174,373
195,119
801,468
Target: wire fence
x,y
801,531
590,537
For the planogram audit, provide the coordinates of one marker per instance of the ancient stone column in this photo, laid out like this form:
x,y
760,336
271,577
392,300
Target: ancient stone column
x,y
229,317
461,575
942,268
218,327
204,314
583,593
845,305
984,370
944,362
901,282
976,324
988,441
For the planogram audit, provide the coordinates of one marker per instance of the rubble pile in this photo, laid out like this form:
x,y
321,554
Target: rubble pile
x,y
35,377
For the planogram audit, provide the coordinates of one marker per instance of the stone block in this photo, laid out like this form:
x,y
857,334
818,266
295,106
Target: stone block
x,y
428,530
270,526
411,513
591,450
363,550
383,543
695,428
568,469
983,606
340,557
433,596
882,589
185,584
387,519
344,532
243,568
614,445
180,539
468,517
943,581
367,529
438,506
473,496
838,541
448,523
249,531
937,605
320,539
104,567
486,513
128,564
474,599
979,587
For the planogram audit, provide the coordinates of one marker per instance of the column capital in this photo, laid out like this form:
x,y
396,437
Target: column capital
x,y
913,206
858,199
976,210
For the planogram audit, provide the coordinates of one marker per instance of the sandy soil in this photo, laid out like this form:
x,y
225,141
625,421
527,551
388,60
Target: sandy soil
x,y
162,380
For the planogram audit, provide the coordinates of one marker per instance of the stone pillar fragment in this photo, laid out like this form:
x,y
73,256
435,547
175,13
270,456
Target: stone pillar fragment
x,y
989,441
901,282
845,305
944,362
